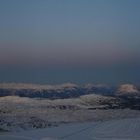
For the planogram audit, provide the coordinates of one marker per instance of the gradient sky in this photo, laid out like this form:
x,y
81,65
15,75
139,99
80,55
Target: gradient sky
x,y
70,33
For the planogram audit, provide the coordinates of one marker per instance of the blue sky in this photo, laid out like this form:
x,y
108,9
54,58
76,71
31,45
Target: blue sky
x,y
70,33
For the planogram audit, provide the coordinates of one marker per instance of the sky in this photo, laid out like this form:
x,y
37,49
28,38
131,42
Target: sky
x,y
84,39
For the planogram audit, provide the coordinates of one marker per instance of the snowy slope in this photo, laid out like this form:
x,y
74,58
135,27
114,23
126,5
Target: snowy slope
x,y
124,129
20,113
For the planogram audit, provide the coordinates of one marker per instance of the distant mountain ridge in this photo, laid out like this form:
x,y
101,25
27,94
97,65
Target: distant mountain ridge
x,y
67,90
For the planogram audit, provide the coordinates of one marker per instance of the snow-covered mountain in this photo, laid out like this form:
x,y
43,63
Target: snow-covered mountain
x,y
30,106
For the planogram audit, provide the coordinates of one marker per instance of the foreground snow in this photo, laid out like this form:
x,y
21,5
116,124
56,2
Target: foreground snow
x,y
124,129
